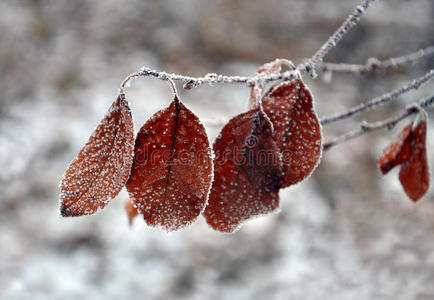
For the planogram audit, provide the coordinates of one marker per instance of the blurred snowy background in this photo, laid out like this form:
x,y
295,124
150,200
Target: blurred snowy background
x,y
345,233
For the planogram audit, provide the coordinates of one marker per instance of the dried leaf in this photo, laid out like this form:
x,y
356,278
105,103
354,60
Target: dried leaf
x,y
102,167
397,152
297,130
414,173
172,171
130,210
247,172
409,151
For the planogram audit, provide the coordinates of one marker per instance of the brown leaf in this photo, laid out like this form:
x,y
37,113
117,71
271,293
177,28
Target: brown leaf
x,y
297,130
397,152
247,172
102,167
414,173
172,170
130,210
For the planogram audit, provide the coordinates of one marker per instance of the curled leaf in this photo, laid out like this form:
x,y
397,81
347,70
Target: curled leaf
x,y
103,165
409,151
172,169
414,173
247,172
397,152
297,130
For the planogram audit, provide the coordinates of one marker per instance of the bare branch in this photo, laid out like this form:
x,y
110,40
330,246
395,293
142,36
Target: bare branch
x,y
375,65
333,40
211,78
388,123
386,98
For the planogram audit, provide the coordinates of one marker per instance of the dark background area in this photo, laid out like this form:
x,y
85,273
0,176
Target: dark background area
x,y
344,233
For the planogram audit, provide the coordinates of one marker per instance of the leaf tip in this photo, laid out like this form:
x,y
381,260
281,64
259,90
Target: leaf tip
x,y
67,212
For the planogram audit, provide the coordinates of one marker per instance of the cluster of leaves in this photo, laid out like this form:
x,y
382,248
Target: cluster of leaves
x,y
171,175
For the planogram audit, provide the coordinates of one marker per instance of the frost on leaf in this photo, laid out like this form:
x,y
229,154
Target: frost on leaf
x,y
172,169
409,151
297,130
130,210
247,172
103,165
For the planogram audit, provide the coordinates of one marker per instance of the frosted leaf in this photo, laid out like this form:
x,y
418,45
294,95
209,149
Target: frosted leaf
x,y
103,165
247,172
172,170
297,130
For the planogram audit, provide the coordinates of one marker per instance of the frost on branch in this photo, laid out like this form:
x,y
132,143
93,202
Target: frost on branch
x,y
103,165
247,172
172,170
297,130
409,151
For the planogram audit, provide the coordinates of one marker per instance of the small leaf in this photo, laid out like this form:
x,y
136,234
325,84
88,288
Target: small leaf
x,y
172,171
247,172
130,210
102,167
414,173
397,152
409,151
297,130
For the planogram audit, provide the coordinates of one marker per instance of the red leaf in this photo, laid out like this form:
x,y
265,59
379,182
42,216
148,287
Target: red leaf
x,y
102,167
247,172
131,211
409,151
414,173
297,130
397,152
172,170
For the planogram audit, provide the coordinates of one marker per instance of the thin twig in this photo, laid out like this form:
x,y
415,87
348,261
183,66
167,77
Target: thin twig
x,y
386,98
211,78
388,123
375,65
334,39
191,82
